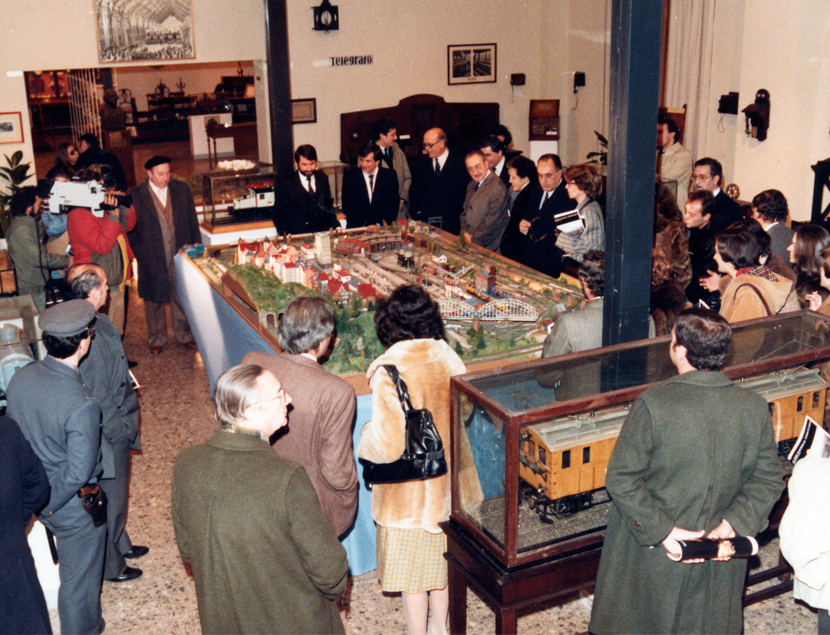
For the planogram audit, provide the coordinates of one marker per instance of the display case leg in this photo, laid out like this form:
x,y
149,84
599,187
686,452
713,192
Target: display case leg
x,y
506,622
457,587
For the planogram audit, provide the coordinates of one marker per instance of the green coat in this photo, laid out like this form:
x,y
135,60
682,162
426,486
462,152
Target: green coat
x,y
264,558
28,253
693,451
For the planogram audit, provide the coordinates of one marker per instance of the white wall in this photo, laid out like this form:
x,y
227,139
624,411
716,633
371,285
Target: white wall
x,y
790,57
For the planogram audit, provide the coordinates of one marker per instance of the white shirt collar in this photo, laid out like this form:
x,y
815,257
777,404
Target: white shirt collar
x,y
160,193
442,159
304,181
500,166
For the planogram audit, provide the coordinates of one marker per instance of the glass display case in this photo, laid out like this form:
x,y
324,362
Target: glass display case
x,y
531,441
20,339
238,196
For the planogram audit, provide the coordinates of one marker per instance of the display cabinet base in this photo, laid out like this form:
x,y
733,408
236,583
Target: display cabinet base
x,y
507,590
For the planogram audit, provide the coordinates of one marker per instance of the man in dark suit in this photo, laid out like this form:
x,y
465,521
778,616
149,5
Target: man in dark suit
x,y
370,192
708,175
62,421
319,432
105,372
439,183
303,202
770,210
385,134
485,206
165,222
547,199
493,149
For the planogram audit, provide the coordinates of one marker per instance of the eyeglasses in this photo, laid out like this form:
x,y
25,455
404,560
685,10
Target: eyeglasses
x,y
429,146
280,395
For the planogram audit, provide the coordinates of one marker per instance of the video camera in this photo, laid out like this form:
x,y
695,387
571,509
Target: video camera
x,y
73,194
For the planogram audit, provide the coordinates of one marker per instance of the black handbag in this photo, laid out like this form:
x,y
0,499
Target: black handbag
x,y
423,457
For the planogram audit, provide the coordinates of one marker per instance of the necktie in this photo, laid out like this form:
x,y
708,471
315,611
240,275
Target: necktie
x,y
310,186
388,154
371,183
437,168
476,187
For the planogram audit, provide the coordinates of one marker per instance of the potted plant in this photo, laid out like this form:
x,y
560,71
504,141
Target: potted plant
x,y
14,173
600,157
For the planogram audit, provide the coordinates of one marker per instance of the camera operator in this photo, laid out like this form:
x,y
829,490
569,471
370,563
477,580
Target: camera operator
x,y
25,238
102,240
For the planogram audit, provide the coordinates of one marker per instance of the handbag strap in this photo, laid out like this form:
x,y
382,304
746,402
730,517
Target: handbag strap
x,y
760,295
400,385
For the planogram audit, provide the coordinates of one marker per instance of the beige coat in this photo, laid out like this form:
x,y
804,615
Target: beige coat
x,y
741,300
426,366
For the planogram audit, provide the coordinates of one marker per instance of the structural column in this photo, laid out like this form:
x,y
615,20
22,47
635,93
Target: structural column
x,y
279,85
635,70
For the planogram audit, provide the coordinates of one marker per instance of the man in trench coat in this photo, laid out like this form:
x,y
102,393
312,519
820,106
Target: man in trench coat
x,y
696,456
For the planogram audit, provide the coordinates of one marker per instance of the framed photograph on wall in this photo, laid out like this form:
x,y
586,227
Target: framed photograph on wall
x,y
304,110
165,32
471,64
11,127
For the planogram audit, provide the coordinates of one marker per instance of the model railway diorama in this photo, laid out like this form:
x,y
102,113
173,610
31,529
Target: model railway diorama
x,y
562,462
493,308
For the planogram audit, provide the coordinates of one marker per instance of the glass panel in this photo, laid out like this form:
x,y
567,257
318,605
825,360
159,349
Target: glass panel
x,y
566,459
647,362
481,492
816,399
800,405
586,455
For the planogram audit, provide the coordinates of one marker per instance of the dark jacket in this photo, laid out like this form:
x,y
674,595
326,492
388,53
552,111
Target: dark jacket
x,y
146,239
693,451
93,156
541,252
442,195
296,211
702,258
728,210
24,489
248,521
385,199
513,241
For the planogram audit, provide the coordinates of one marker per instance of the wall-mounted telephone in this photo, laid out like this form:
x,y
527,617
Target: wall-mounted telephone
x,y
757,116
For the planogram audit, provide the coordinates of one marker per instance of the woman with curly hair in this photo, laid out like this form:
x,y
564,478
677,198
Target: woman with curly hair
x,y
410,544
670,236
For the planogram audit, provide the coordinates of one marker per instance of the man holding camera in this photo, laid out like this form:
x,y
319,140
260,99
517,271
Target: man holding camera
x,y
62,421
101,238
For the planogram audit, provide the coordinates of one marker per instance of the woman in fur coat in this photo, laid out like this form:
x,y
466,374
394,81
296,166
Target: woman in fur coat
x,y
410,544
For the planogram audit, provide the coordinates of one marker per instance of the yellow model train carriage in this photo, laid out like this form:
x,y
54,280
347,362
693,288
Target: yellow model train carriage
x,y
564,460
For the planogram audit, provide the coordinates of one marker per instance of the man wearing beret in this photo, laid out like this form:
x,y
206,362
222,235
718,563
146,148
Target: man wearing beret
x,y
62,421
165,221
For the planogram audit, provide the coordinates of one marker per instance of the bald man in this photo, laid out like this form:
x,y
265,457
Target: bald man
x,y
439,183
105,372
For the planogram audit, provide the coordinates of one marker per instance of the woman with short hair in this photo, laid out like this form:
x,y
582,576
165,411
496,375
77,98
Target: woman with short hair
x,y
410,544
754,290
583,184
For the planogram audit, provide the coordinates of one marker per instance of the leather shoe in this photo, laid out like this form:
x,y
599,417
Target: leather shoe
x,y
130,573
191,344
137,551
155,350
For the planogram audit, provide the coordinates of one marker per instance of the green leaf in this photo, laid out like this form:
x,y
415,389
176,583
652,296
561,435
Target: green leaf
x,y
17,157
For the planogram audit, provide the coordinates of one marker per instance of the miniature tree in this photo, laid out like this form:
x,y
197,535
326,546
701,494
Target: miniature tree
x,y
458,349
480,344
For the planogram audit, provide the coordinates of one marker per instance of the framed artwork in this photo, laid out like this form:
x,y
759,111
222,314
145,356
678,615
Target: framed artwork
x,y
144,30
471,64
304,110
11,127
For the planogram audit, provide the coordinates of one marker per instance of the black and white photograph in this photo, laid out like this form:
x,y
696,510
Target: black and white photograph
x,y
471,64
130,30
11,127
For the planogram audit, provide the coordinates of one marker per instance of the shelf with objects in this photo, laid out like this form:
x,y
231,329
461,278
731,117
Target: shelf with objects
x,y
537,436
20,339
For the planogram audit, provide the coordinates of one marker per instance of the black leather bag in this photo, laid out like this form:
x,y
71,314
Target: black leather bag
x,y
423,457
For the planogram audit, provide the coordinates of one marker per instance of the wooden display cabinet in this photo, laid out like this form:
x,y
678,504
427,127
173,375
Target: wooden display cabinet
x,y
502,544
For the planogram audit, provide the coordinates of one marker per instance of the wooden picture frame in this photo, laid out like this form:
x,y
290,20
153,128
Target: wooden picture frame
x,y
11,127
471,64
119,41
304,110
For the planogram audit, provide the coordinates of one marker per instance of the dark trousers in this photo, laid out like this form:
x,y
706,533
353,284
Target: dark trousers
x,y
81,547
118,541
157,321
